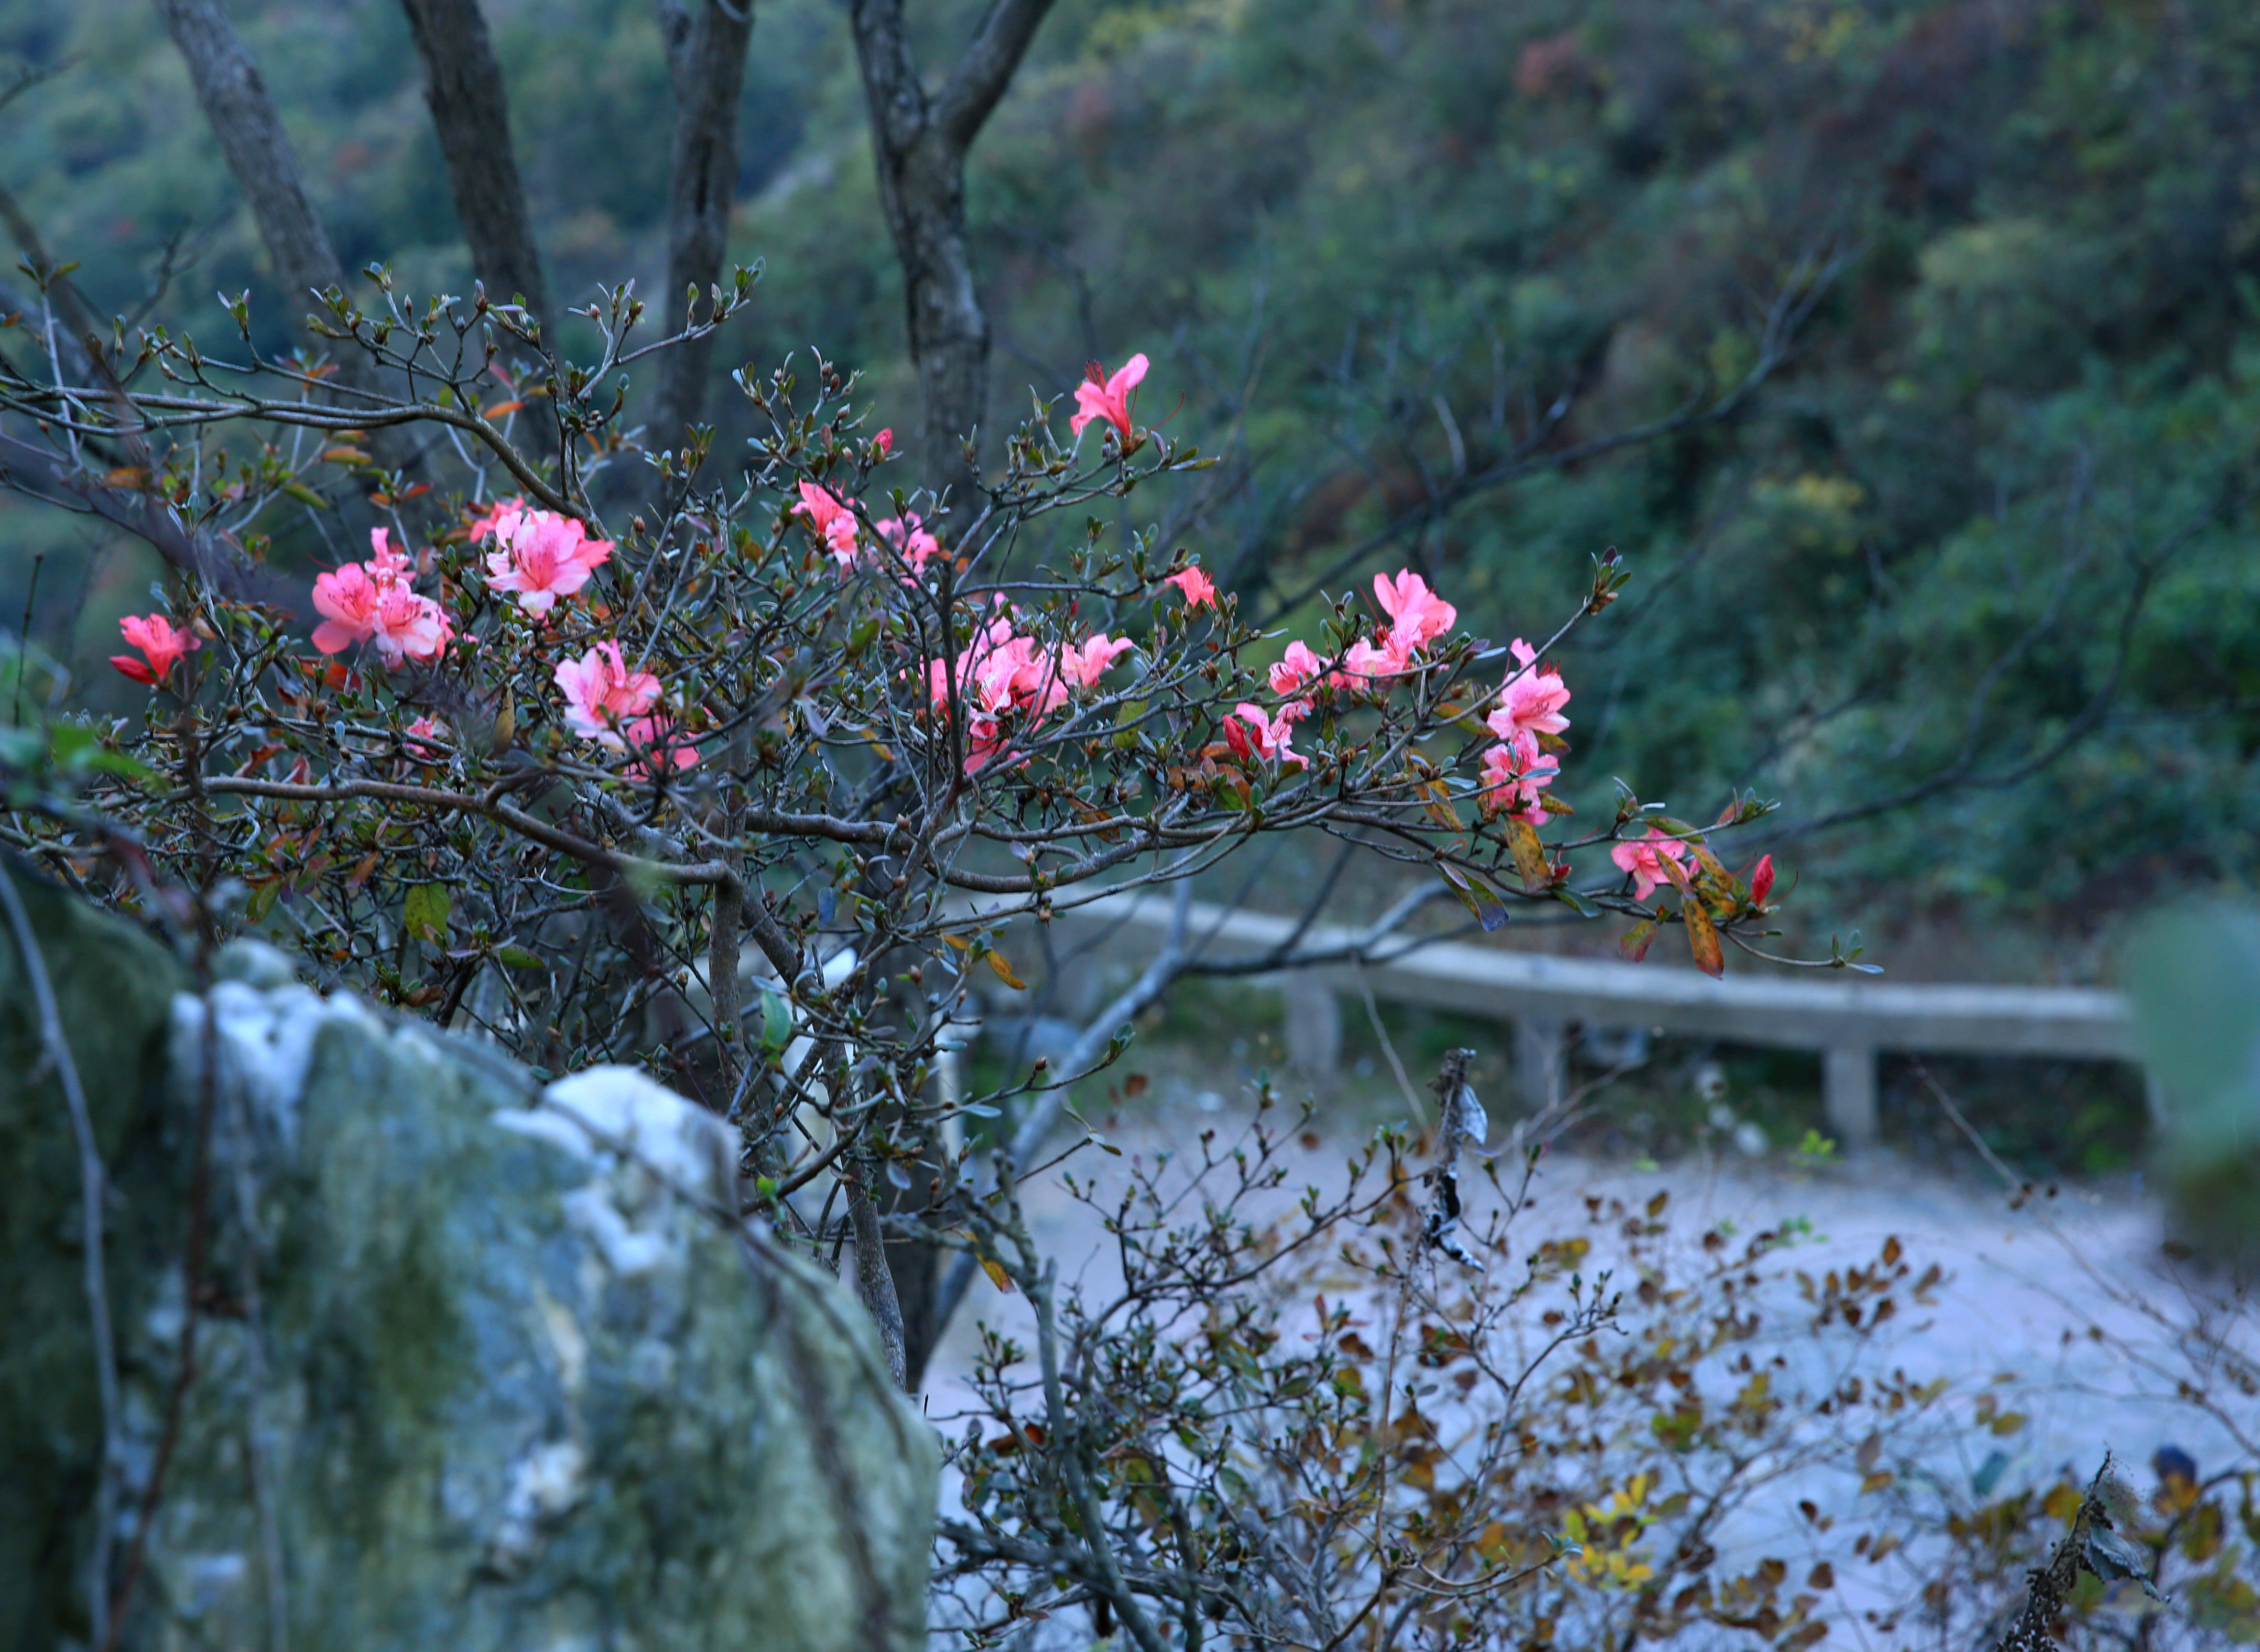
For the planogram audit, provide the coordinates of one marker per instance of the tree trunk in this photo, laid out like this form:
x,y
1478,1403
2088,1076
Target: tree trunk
x,y
919,145
706,42
463,89
923,191
265,167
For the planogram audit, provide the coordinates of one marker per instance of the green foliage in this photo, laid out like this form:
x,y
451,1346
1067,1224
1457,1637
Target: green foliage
x,y
1971,568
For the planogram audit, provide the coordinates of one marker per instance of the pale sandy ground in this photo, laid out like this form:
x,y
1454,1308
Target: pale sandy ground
x,y
2025,1289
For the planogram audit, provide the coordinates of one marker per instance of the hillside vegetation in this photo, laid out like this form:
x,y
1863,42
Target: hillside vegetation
x,y
1968,579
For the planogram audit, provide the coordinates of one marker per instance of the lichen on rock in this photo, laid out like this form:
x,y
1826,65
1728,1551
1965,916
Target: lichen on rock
x,y
482,1364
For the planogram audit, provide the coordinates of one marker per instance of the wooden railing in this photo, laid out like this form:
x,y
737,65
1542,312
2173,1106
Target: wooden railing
x,y
1848,1018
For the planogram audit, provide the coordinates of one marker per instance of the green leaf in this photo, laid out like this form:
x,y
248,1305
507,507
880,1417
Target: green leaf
x,y
305,495
518,958
110,763
425,911
1575,902
776,1022
1487,909
262,899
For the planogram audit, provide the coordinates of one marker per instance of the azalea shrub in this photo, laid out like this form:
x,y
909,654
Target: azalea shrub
x,y
759,768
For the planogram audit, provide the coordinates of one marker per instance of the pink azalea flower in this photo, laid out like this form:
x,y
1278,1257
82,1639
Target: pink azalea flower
x,y
1645,861
408,626
385,565
155,636
1100,396
423,737
820,507
659,745
834,521
541,556
908,535
1417,615
1531,700
601,694
485,522
1268,735
1084,666
372,600
1761,880
1366,662
347,599
1301,667
1514,773
983,740
1199,589
885,442
1002,675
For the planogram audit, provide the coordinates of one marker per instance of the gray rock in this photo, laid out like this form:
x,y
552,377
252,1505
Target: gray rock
x,y
487,1366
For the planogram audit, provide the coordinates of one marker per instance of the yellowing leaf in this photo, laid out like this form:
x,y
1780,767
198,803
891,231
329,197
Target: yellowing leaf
x,y
1529,853
1703,939
503,410
997,1276
1002,965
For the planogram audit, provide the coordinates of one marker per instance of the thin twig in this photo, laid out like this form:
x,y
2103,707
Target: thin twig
x,y
1403,1079
92,1183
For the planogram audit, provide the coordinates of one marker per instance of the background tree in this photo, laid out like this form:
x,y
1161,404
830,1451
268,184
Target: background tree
x,y
920,142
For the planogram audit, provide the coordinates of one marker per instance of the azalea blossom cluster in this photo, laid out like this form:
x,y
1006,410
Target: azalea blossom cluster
x,y
539,558
373,601
1660,859
1009,676
1005,677
1527,716
836,523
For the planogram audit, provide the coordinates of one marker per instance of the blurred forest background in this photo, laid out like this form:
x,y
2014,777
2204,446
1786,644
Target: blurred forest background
x,y
1969,580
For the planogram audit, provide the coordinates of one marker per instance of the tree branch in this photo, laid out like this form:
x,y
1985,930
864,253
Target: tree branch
x,y
986,69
